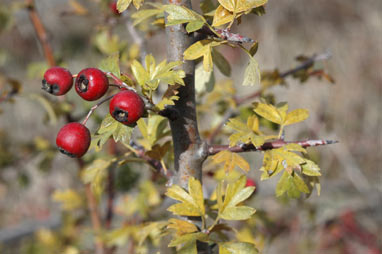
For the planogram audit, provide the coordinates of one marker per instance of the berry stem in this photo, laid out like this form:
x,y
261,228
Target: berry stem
x,y
95,107
119,82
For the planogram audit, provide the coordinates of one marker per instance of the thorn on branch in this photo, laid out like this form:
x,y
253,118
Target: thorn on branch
x,y
214,149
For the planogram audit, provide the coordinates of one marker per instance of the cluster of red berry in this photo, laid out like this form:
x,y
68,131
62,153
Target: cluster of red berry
x,y
126,106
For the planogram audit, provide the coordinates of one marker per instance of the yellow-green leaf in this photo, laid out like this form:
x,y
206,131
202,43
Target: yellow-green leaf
x,y
192,203
237,213
182,227
252,76
237,248
295,116
69,198
268,111
111,64
186,238
222,16
310,168
201,49
196,192
204,81
231,160
142,15
122,5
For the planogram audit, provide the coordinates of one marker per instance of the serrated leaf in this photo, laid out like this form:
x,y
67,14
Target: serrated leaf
x,y
150,77
110,127
181,226
230,160
222,63
111,64
192,203
268,111
230,208
293,185
246,133
151,131
237,248
295,116
70,199
180,14
140,74
252,76
167,101
310,168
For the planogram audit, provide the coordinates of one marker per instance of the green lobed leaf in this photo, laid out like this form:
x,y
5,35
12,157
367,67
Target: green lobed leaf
x,y
111,64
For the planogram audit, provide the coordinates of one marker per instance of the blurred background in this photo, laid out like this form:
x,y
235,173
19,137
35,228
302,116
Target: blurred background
x,y
345,218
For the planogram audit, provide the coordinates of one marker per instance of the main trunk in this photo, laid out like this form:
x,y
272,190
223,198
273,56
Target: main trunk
x,y
189,150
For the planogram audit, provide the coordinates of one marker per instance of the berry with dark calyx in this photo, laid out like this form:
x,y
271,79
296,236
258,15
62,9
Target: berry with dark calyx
x,y
57,81
127,107
91,84
73,140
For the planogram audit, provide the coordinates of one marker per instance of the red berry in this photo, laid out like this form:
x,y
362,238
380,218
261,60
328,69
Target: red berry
x,y
73,139
250,183
113,8
91,84
127,107
57,81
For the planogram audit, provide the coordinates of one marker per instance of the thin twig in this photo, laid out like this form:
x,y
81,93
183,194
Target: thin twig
x,y
94,214
40,32
110,188
119,82
141,42
239,101
140,152
95,107
214,149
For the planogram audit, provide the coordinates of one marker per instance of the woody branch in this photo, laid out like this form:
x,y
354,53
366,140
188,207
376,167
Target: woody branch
x,y
214,149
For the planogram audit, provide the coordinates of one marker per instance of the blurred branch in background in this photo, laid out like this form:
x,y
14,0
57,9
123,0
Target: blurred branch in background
x,y
40,32
245,99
